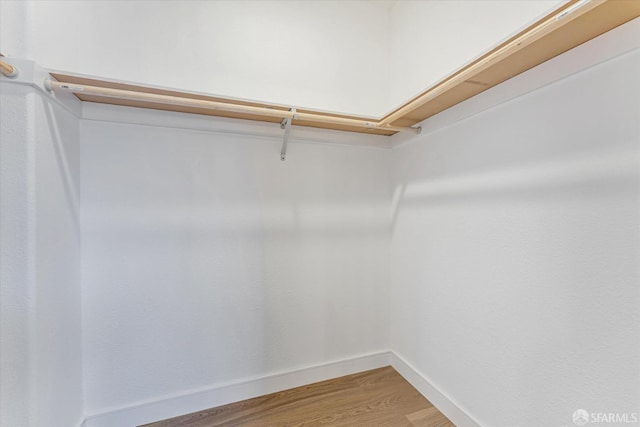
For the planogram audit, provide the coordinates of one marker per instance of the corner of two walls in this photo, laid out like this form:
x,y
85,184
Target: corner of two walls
x,y
207,261
509,240
41,344
515,250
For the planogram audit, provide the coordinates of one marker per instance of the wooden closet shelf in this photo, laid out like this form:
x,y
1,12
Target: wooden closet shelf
x,y
567,27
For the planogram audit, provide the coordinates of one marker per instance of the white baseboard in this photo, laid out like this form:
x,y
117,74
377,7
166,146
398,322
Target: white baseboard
x,y
221,394
441,401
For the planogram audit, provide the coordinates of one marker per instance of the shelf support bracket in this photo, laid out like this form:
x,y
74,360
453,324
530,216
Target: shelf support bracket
x,y
286,125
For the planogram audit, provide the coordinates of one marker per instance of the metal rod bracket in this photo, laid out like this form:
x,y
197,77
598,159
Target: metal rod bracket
x,y
286,125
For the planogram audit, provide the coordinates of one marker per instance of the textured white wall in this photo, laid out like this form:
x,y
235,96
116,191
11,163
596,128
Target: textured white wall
x,y
515,251
328,55
40,348
429,40
206,259
15,278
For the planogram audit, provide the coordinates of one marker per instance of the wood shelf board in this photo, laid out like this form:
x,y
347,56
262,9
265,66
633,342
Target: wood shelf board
x,y
605,17
533,46
72,79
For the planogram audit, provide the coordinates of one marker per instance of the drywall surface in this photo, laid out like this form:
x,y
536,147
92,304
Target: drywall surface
x,y
515,252
15,282
13,28
344,56
40,348
206,260
328,55
429,40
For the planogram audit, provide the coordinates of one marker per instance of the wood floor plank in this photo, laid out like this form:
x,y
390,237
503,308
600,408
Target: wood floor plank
x,y
380,397
429,417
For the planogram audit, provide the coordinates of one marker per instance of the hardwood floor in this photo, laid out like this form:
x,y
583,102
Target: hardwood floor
x,y
380,397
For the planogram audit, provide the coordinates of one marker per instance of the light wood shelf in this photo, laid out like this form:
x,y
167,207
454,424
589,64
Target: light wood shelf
x,y
565,28
544,40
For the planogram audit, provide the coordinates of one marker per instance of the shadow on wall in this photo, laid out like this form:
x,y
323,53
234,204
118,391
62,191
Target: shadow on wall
x,y
71,182
515,240
596,172
226,218
561,137
207,254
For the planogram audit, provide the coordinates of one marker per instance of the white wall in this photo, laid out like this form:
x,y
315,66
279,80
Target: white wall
x,y
328,55
207,260
15,275
347,56
429,40
40,348
515,250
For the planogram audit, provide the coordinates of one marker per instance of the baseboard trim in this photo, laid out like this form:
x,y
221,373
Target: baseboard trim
x,y
444,403
221,394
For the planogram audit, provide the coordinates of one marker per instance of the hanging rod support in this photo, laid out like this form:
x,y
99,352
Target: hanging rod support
x,y
8,70
128,95
286,125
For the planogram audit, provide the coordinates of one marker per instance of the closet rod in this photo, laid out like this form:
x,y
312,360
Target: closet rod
x,y
223,106
8,69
